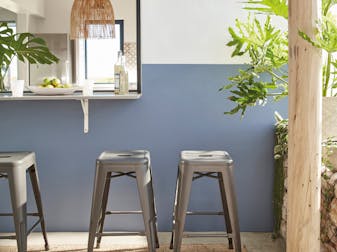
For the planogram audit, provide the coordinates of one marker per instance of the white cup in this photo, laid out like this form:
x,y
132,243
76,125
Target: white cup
x,y
88,88
17,87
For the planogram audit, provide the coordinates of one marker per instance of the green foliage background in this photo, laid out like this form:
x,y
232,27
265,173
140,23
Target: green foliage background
x,y
267,48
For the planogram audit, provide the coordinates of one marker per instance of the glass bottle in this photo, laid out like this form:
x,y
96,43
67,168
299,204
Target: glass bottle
x,y
118,69
124,79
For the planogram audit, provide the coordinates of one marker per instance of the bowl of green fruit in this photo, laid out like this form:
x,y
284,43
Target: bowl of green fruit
x,y
52,86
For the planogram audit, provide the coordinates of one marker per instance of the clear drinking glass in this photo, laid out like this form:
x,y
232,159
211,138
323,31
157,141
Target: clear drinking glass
x,y
17,87
88,88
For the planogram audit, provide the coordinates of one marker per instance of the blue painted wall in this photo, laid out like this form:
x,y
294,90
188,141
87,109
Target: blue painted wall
x,y
180,109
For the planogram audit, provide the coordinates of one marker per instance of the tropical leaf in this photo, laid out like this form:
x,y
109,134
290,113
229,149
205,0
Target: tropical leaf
x,y
33,49
247,90
326,34
264,43
6,52
269,7
326,6
267,48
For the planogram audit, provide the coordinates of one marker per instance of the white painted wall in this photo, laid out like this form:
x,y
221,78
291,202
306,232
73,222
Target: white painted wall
x,y
33,7
189,31
57,17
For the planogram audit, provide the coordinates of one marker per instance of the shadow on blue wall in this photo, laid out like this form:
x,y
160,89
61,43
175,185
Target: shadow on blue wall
x,y
180,109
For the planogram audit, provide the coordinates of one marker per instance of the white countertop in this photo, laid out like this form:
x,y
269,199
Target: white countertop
x,y
98,95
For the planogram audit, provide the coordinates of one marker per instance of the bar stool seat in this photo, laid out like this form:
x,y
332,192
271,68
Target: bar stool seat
x,y
212,164
13,166
134,164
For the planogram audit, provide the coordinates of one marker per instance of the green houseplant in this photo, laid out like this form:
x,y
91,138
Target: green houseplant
x,y
267,46
24,46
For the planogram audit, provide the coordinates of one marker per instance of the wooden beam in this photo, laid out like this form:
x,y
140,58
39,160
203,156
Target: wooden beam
x,y
305,112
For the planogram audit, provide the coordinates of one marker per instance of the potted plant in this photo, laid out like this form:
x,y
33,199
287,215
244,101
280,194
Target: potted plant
x,y
24,46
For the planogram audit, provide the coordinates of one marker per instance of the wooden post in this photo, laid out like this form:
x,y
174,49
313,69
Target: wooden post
x,y
305,112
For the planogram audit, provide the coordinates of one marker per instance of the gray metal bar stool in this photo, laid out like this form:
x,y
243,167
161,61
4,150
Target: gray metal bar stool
x,y
213,164
135,164
13,166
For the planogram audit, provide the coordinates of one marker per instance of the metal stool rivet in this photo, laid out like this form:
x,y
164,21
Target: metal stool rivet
x,y
134,164
213,164
13,166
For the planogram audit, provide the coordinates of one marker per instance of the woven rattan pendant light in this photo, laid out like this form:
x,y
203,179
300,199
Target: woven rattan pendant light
x,y
92,19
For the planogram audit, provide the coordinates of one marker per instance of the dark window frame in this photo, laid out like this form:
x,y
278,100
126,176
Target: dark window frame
x,y
139,61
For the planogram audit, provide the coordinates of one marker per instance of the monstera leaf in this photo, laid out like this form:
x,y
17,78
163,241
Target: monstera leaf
x,y
6,37
25,46
33,49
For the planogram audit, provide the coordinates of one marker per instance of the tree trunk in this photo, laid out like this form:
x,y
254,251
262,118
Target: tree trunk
x,y
305,112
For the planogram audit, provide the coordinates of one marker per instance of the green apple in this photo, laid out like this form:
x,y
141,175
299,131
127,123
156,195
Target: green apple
x,y
55,82
67,85
47,80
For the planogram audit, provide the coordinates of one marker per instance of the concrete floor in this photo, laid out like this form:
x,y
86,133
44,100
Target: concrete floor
x,y
254,242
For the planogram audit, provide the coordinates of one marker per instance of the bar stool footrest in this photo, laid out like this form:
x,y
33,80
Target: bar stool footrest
x,y
189,235
120,234
10,214
8,237
204,213
123,212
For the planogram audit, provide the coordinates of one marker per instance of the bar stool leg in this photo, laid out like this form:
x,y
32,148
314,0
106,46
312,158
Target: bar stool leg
x,y
225,210
104,205
96,207
143,183
183,200
232,206
18,191
36,189
153,212
175,206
